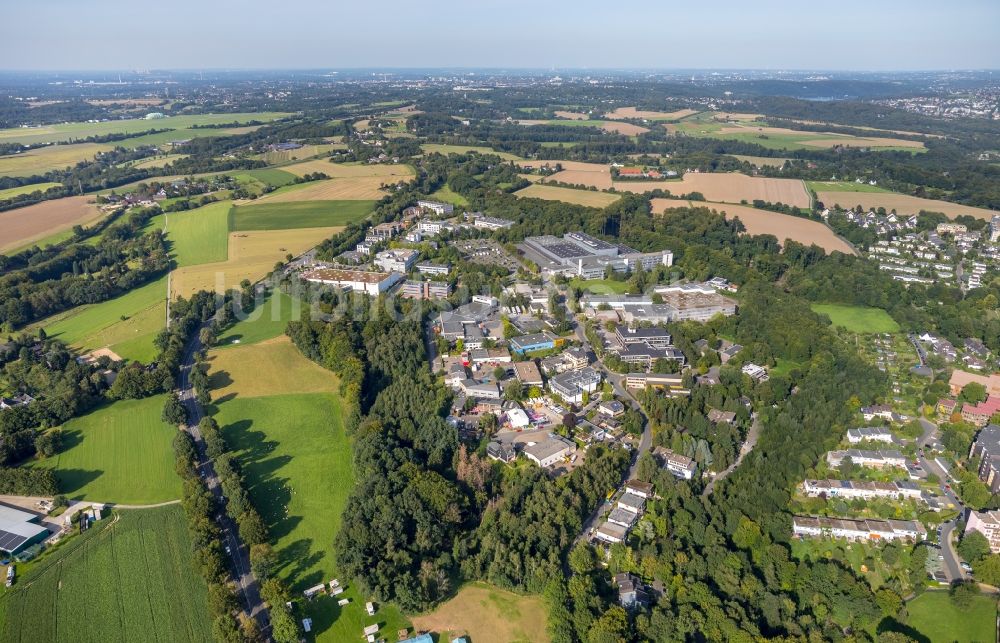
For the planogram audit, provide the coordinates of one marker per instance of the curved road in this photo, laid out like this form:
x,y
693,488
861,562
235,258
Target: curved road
x,y
952,561
239,553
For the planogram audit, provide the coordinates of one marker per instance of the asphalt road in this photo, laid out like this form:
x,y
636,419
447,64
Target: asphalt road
x,y
238,552
952,561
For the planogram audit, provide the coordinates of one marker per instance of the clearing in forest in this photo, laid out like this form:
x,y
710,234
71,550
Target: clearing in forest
x,y
487,614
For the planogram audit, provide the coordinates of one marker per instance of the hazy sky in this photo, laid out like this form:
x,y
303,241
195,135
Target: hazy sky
x,y
766,34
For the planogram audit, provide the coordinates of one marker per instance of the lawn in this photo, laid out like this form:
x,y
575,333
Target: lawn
x,y
935,616
127,579
67,131
127,324
10,193
199,236
858,319
120,452
601,286
270,176
446,194
299,214
296,460
271,367
487,614
266,321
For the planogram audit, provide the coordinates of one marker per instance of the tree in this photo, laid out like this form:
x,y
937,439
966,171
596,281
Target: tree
x,y
987,569
973,547
582,559
173,411
48,443
973,392
963,594
499,372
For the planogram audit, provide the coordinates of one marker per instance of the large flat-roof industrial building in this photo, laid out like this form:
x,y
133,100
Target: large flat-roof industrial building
x,y
19,530
371,283
577,253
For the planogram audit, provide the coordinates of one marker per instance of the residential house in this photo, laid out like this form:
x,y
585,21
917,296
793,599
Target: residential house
x,y
988,524
528,373
716,416
870,434
679,465
986,448
820,527
980,414
611,408
499,451
639,488
865,458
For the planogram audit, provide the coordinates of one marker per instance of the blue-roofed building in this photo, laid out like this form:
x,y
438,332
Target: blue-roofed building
x,y
420,638
534,342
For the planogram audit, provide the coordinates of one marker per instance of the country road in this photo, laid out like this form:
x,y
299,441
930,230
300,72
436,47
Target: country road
x,y
237,550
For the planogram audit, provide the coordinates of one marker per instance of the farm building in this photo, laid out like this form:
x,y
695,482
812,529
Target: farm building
x,y
19,530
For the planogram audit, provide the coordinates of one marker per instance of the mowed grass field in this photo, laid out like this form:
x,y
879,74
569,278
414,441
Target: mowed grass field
x,y
440,148
269,176
266,321
131,577
127,324
47,159
298,214
269,367
445,193
22,227
10,193
199,236
901,203
782,226
568,195
858,319
251,255
487,614
842,186
120,452
67,131
934,615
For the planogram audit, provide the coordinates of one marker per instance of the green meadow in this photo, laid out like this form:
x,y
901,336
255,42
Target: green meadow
x,y
285,215
266,321
10,193
858,319
120,452
934,615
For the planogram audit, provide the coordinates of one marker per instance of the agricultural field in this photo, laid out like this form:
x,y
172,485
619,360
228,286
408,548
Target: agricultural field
x,y
935,616
48,159
858,319
266,321
304,152
298,214
251,255
199,236
131,577
268,176
572,116
270,367
632,112
345,170
158,161
615,127
842,186
440,148
762,161
568,195
296,459
901,203
120,452
10,193
487,614
352,188
26,226
68,131
783,138
730,187
782,226
127,324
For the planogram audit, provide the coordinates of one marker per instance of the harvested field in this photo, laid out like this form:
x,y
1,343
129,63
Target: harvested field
x,y
487,614
901,203
762,161
359,188
628,129
728,188
573,116
898,132
568,195
341,170
22,226
534,178
598,180
50,158
782,226
159,161
632,112
568,165
252,255
145,102
856,141
271,367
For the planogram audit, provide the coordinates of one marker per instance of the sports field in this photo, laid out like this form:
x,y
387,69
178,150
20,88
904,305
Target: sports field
x,y
858,319
440,148
270,367
127,324
48,159
901,203
251,255
10,193
67,131
632,112
120,452
934,615
567,195
131,577
487,614
298,214
24,226
782,226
